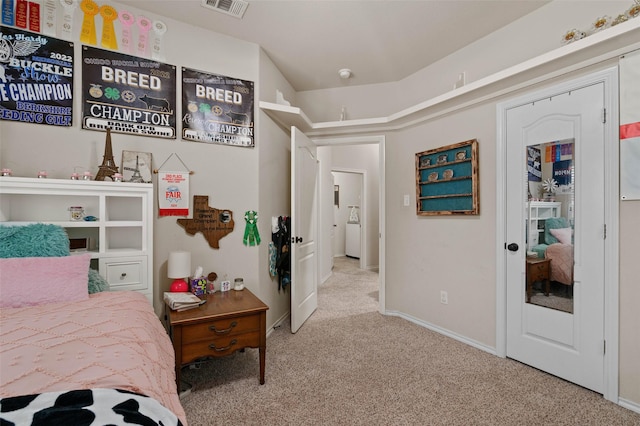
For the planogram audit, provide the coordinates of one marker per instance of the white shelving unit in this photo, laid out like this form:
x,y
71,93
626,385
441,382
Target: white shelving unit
x,y
120,239
538,212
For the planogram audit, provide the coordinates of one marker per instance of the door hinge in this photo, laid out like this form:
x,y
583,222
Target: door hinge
x,y
604,237
604,115
604,346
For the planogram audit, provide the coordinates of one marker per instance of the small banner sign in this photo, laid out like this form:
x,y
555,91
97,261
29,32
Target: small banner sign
x,y
130,95
36,78
562,172
217,109
173,193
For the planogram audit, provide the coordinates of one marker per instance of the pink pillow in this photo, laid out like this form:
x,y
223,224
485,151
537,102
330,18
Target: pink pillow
x,y
30,281
563,235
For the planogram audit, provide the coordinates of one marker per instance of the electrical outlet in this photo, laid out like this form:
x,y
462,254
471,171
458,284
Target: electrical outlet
x,y
406,200
444,297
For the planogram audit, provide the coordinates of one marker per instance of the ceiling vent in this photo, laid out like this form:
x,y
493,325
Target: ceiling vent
x,y
234,8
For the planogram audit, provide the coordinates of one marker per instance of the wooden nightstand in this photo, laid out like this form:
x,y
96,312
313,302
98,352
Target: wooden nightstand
x,y
538,270
227,322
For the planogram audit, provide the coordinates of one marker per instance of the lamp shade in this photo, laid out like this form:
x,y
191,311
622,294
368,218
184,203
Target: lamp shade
x,y
179,264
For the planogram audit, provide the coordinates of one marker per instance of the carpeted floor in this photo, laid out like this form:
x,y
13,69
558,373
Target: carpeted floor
x,y
560,297
350,365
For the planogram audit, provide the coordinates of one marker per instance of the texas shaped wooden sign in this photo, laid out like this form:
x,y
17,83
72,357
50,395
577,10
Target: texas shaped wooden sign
x,y
213,223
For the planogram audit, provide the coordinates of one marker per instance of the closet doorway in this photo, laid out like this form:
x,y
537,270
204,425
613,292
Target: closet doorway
x,y
565,132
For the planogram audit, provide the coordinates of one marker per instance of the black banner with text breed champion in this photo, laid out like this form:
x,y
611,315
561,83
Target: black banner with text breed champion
x,y
130,95
217,109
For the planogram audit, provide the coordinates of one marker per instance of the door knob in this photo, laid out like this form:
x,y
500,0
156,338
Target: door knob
x,y
512,247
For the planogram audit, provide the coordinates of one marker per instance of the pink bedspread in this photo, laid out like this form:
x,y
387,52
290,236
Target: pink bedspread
x,y
561,256
112,340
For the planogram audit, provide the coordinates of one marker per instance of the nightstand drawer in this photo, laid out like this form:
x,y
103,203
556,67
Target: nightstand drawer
x,y
224,327
125,273
539,271
219,346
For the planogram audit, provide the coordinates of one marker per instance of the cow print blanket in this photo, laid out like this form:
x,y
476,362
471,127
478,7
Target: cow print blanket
x,y
84,408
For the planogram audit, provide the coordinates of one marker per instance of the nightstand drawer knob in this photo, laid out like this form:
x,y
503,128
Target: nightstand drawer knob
x,y
225,331
213,346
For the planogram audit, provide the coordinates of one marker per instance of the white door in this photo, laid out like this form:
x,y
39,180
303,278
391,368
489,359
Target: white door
x,y
304,226
569,345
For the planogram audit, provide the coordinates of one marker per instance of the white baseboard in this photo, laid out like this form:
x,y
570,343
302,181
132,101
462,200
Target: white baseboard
x,y
277,324
444,331
630,405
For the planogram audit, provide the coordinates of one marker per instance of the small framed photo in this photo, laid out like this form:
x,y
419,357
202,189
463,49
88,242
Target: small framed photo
x,y
136,167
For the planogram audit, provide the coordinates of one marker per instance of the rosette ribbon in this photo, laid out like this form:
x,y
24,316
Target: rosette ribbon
x,y
251,235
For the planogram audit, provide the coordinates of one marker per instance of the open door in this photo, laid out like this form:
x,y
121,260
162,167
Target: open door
x,y
304,227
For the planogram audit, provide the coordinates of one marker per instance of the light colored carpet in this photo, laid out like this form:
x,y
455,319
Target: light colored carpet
x,y
350,365
553,301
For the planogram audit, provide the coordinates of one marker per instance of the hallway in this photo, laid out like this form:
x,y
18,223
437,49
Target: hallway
x,y
349,291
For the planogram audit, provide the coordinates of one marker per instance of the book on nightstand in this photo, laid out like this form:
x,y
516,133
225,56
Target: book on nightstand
x,y
182,301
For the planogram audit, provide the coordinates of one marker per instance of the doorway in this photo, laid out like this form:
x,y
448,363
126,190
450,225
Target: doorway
x,y
373,195
564,130
350,213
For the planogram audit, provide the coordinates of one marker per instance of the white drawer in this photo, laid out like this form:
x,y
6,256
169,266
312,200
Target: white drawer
x,y
127,273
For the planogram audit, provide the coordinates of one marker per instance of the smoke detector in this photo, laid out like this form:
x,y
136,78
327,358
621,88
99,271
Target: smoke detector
x,y
235,8
344,73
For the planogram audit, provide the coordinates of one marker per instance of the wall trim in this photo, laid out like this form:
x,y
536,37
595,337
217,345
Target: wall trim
x,y
277,323
629,405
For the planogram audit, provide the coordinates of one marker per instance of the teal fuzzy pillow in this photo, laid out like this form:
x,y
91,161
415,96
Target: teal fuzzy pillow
x,y
34,240
96,282
553,223
43,240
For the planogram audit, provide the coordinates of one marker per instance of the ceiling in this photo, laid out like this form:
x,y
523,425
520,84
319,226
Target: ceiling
x,y
380,41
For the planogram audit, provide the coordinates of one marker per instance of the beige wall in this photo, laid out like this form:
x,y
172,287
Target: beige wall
x,y
273,185
629,299
425,255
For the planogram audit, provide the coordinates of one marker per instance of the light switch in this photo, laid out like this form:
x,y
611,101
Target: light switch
x,y
407,200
